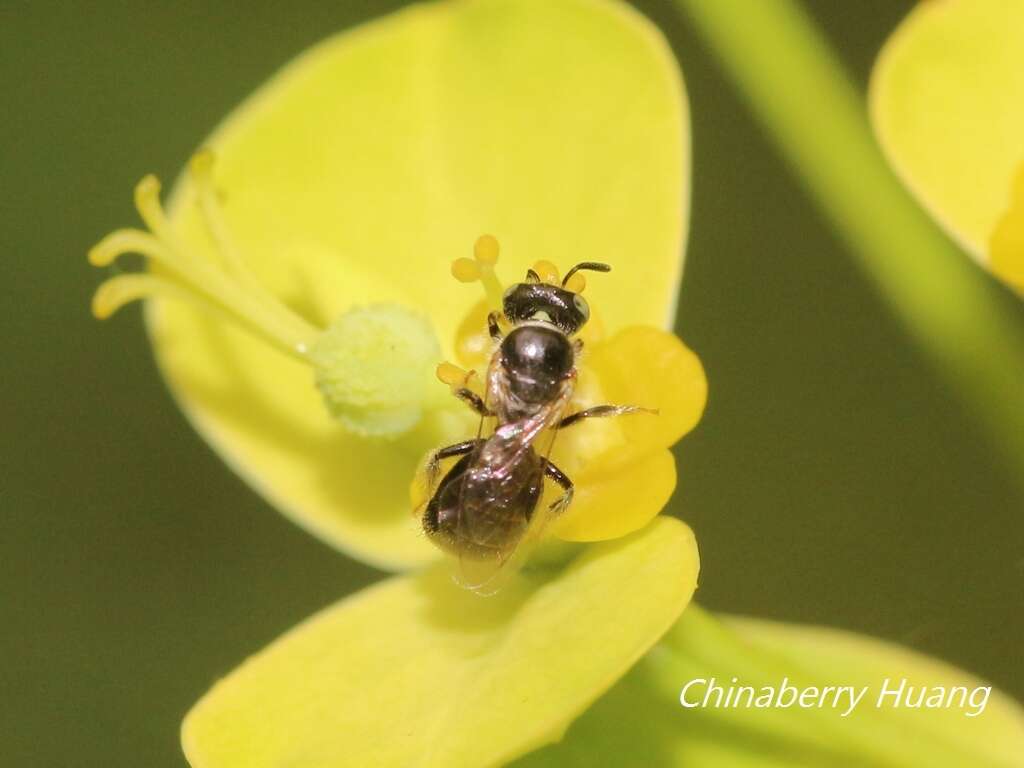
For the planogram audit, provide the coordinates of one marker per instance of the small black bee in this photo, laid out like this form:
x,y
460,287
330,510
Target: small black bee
x,y
485,503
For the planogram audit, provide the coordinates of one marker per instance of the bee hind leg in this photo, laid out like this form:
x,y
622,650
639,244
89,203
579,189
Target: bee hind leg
x,y
602,411
562,503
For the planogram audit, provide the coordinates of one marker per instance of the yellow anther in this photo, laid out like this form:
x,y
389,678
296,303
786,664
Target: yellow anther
x,y
453,375
465,270
576,283
486,250
547,271
449,374
481,267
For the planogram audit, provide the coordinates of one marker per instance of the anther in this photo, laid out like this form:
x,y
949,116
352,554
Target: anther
x,y
576,283
450,374
481,268
547,271
465,270
486,249
453,375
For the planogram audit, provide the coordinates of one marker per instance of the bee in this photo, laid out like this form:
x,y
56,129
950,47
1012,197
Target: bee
x,y
486,503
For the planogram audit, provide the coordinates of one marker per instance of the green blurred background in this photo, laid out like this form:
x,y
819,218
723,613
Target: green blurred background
x,y
835,479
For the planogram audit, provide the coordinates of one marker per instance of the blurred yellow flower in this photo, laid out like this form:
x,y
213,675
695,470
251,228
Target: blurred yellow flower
x,y
947,105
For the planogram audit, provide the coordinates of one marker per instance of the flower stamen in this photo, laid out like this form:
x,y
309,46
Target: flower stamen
x,y
481,268
454,376
577,283
459,379
371,364
546,271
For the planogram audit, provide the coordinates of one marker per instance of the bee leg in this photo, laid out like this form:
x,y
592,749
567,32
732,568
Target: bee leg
x,y
492,326
554,473
433,467
458,380
601,410
473,400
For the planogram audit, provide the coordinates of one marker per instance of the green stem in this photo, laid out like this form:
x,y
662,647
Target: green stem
x,y
799,92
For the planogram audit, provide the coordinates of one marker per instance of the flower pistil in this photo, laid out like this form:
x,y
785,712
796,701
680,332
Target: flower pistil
x,y
371,364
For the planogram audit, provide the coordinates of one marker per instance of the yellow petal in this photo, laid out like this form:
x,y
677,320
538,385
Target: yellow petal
x,y
359,172
1007,242
639,366
651,368
622,472
947,104
609,504
419,672
641,722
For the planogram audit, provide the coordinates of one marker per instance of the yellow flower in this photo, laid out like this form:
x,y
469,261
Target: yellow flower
x,y
322,235
354,178
947,105
299,297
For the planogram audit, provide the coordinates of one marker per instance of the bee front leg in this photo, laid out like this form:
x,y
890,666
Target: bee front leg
x,y
433,468
602,411
458,380
562,503
473,400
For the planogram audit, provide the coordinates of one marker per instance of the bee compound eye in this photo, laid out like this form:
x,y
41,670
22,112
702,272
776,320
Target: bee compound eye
x,y
581,306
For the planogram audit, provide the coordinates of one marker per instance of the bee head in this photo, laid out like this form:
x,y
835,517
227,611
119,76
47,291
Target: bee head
x,y
545,302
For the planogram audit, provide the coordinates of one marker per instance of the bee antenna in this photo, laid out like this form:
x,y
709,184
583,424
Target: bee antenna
x,y
532,276
593,266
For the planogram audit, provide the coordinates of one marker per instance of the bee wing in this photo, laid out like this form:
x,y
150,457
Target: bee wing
x,y
487,577
544,443
504,455
510,464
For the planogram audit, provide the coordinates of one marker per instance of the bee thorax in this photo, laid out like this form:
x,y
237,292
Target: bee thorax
x,y
535,360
